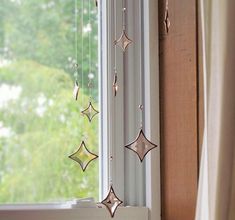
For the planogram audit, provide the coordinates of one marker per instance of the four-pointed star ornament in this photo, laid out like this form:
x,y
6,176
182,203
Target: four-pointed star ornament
x,y
83,156
112,202
76,90
124,41
141,146
90,112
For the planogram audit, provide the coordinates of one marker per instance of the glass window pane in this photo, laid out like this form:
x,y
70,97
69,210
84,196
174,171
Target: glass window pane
x,y
40,122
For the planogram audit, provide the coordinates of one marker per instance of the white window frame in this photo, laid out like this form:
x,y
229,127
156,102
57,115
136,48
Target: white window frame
x,y
121,119
128,173
49,213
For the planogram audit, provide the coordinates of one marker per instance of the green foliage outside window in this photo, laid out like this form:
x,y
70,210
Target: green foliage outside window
x,y
40,122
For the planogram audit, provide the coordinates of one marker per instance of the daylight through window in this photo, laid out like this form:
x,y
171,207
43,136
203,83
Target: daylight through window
x,y
40,121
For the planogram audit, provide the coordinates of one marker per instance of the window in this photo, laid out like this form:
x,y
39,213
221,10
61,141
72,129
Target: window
x,y
136,184
40,122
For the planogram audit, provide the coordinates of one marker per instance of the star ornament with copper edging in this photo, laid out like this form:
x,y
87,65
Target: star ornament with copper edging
x,y
124,41
83,156
76,90
115,86
141,146
112,202
90,112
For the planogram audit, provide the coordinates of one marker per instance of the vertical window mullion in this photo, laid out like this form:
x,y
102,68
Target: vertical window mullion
x,y
151,102
134,170
121,117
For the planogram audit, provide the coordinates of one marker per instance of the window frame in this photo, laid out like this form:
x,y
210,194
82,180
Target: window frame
x,y
125,164
152,106
14,213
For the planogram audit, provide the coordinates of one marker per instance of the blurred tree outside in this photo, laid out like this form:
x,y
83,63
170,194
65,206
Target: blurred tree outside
x,y
40,122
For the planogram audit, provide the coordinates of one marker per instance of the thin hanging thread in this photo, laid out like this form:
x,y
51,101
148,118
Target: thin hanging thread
x,y
111,166
82,21
115,75
89,44
76,40
115,35
82,64
124,15
141,107
115,85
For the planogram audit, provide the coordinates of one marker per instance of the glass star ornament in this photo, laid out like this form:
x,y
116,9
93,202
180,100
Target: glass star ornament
x,y
83,156
124,41
76,90
90,112
112,202
141,146
167,22
115,86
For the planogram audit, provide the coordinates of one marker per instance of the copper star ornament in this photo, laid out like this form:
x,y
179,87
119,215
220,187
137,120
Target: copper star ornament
x,y
141,146
124,41
76,90
112,202
115,86
90,112
83,156
167,22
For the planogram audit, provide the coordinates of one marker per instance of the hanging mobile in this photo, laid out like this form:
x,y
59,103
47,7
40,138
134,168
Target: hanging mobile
x,y
124,41
83,156
90,112
112,202
115,77
141,145
76,67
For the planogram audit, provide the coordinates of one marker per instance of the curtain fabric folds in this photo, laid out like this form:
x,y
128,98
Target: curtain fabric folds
x,y
216,194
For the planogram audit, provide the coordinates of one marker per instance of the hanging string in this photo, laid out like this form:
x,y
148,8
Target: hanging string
x,y
115,90
90,111
82,25
115,36
110,166
141,106
124,14
124,40
75,66
76,40
89,46
115,77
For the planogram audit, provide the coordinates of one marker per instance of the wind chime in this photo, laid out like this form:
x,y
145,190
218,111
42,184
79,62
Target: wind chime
x,y
141,145
83,156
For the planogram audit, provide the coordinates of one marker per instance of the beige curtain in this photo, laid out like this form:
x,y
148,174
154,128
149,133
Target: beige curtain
x,y
216,194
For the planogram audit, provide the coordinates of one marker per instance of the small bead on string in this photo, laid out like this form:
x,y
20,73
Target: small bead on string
x,y
141,107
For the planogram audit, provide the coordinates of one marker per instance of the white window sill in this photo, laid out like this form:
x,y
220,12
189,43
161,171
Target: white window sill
x,y
54,213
